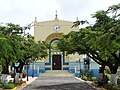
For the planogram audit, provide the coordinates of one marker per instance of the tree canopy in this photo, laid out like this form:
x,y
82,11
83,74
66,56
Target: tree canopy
x,y
100,41
18,48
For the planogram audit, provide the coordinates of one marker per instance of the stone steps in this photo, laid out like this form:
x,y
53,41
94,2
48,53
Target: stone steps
x,y
57,73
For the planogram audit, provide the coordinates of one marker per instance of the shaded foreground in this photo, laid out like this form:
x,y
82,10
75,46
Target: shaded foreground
x,y
58,83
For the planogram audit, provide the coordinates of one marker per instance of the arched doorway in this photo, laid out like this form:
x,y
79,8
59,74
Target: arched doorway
x,y
56,56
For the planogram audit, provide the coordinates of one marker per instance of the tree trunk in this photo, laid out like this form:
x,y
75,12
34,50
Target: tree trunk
x,y
101,70
21,67
17,78
20,74
113,79
100,76
5,69
20,71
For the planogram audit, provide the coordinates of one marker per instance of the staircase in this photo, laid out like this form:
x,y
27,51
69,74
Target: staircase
x,y
57,73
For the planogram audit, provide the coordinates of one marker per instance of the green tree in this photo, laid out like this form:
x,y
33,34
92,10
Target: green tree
x,y
9,38
18,48
31,51
100,41
107,41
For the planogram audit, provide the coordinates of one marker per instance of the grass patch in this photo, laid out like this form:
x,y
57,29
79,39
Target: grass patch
x,y
9,86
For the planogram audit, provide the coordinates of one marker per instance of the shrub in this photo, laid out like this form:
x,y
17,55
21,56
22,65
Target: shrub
x,y
0,79
10,81
88,74
9,86
107,70
84,78
1,85
118,81
82,72
110,87
115,87
94,79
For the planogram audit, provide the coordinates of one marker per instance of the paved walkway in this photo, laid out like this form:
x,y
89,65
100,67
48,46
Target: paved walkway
x,y
58,83
27,82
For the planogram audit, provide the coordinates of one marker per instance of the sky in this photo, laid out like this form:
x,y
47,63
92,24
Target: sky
x,y
23,12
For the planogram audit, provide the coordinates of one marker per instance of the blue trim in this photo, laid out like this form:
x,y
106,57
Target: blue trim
x,y
95,72
65,63
30,72
78,74
48,63
66,68
42,71
47,68
71,70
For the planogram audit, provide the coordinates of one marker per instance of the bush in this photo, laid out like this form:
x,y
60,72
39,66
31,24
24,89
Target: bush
x,y
88,73
112,87
107,70
82,72
118,81
10,82
109,87
94,79
1,85
9,86
115,87
84,78
0,79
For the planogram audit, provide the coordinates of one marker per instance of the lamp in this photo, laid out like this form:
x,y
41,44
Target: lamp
x,y
27,69
33,69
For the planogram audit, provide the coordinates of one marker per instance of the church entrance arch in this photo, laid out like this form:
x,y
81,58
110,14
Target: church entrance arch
x,y
55,55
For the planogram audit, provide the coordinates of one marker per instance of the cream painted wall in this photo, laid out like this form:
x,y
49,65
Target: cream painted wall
x,y
75,57
43,29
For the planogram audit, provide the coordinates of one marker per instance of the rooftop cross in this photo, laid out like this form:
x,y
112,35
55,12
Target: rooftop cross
x,y
56,15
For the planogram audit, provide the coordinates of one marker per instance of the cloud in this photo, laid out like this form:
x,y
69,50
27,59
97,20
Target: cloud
x,y
23,11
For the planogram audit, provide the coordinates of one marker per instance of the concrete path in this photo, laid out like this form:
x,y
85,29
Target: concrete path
x,y
58,83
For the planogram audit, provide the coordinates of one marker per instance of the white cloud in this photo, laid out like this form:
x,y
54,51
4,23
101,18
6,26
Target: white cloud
x,y
23,11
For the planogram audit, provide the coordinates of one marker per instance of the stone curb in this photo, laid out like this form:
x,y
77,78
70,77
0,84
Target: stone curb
x,y
89,83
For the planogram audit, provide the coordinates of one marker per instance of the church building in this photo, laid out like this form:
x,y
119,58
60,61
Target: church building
x,y
51,31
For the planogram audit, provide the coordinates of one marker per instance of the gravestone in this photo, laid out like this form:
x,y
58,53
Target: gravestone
x,y
17,78
4,79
